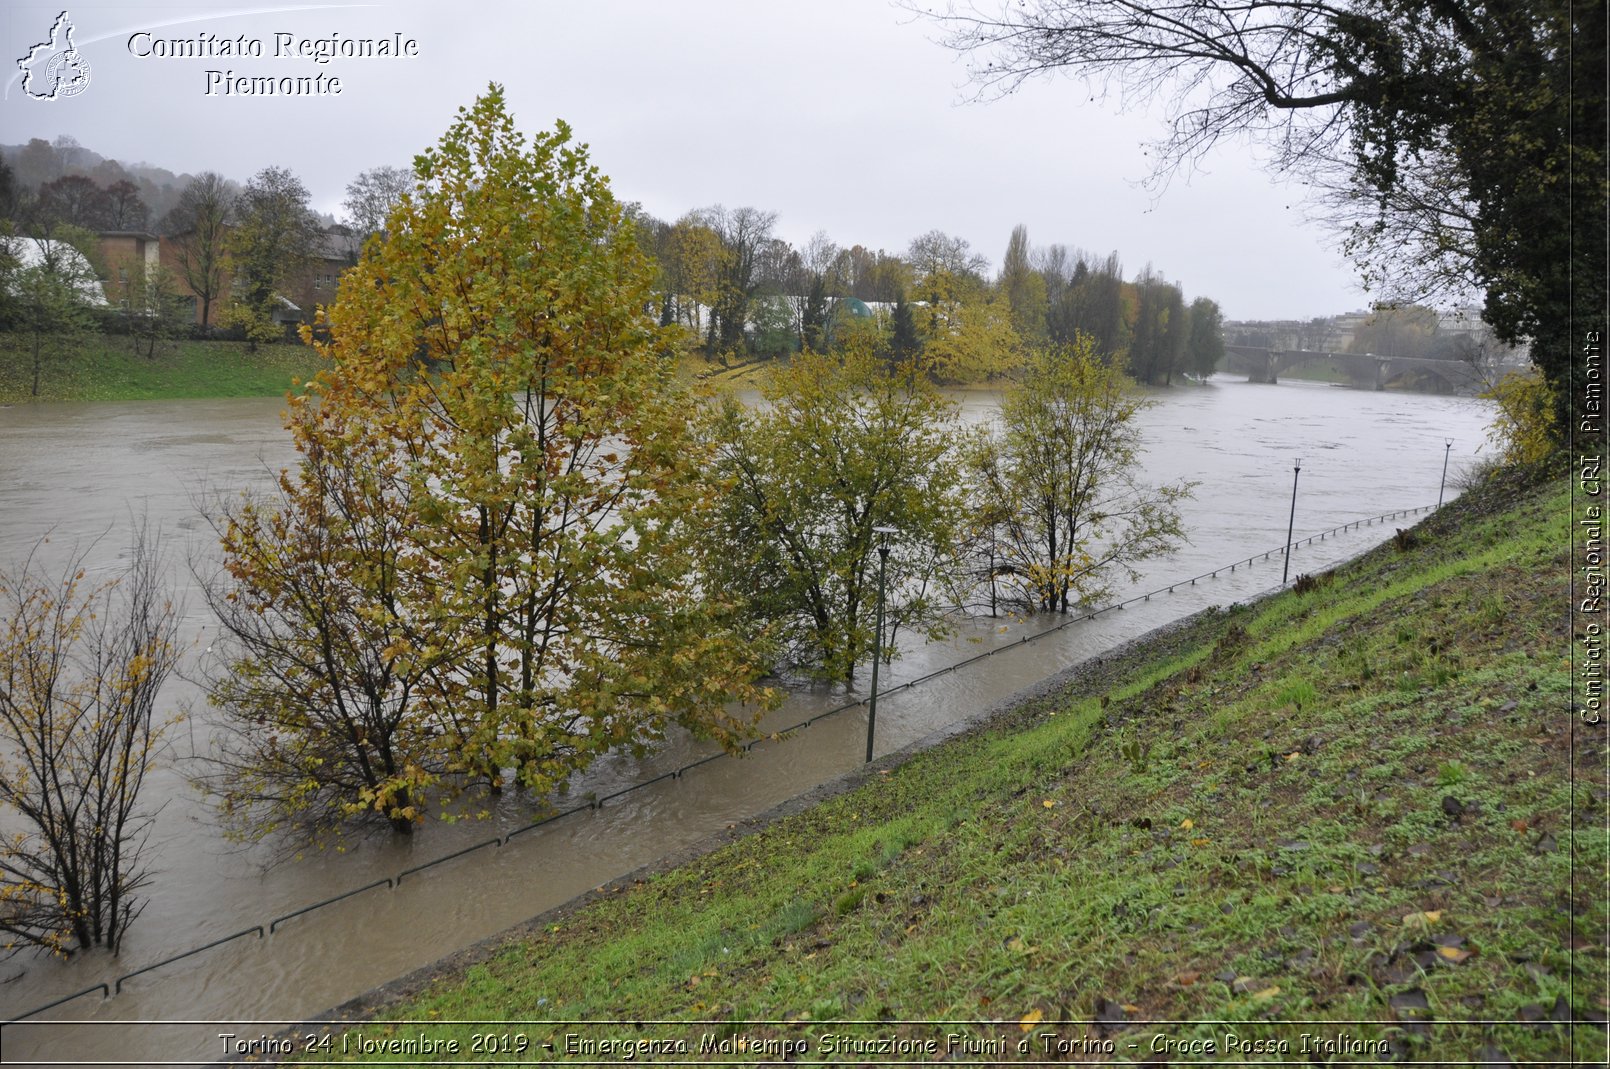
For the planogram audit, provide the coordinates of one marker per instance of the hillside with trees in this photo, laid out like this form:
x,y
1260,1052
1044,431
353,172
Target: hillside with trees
x,y
251,259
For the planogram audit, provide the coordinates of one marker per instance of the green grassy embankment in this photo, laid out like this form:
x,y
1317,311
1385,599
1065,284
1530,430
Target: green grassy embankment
x,y
1352,804
105,368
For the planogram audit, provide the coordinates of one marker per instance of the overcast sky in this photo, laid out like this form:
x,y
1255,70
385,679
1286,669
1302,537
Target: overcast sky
x,y
841,116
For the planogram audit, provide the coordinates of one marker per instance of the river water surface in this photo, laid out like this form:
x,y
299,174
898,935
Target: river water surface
x,y
79,471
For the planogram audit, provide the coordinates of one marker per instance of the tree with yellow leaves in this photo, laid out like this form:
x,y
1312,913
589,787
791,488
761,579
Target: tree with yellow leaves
x,y
521,546
967,333
81,667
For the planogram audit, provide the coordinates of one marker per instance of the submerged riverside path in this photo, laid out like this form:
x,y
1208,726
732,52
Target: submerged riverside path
x,y
80,468
624,815
1360,824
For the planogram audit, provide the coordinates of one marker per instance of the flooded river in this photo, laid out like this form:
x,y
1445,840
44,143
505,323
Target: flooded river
x,y
78,472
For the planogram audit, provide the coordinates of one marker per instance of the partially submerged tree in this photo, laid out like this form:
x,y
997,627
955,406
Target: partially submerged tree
x,y
488,552
1063,510
843,445
1205,346
81,666
321,687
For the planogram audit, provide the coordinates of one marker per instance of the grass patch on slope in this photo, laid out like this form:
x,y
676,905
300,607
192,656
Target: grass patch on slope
x,y
1352,806
105,369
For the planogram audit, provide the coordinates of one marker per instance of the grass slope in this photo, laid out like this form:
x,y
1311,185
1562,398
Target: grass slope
x,y
1353,804
105,369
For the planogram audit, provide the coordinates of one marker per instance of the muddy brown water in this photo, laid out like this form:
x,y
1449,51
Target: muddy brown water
x,y
78,471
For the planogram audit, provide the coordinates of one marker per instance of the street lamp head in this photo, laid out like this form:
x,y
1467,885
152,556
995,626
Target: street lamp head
x,y
884,533
1447,443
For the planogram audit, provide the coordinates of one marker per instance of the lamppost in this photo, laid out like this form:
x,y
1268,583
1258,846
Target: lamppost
x,y
1291,523
1446,449
883,534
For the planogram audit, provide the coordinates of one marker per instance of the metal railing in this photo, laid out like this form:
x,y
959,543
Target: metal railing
x,y
114,987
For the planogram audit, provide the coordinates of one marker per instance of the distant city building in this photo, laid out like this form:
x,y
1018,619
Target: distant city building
x,y
125,253
1336,333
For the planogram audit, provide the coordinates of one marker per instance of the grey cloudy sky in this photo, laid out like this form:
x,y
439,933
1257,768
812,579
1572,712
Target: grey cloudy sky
x,y
840,115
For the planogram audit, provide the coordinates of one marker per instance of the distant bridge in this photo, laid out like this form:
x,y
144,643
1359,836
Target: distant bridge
x,y
1365,371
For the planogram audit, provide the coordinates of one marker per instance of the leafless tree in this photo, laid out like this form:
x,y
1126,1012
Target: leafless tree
x,y
744,234
1269,69
122,208
937,251
81,667
372,195
1457,145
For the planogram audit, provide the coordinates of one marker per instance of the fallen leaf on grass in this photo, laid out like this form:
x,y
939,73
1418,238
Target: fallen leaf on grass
x,y
1049,803
1430,916
1030,1019
1187,824
1454,954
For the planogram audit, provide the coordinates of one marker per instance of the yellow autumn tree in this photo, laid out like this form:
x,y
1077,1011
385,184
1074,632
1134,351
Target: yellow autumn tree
x,y
532,487
967,333
82,664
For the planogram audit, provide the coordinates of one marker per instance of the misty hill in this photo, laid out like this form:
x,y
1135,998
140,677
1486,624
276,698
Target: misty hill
x,y
39,162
